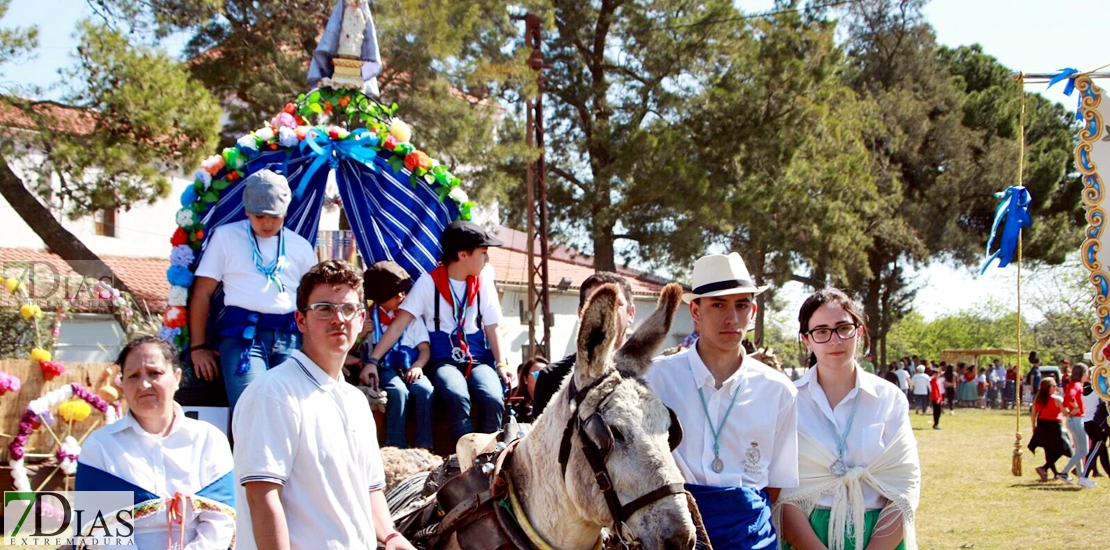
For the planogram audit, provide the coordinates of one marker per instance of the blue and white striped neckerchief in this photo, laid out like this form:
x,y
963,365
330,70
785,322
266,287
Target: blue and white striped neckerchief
x,y
275,267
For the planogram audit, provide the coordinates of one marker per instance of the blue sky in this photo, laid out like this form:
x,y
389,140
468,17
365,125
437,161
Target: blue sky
x,y
1035,36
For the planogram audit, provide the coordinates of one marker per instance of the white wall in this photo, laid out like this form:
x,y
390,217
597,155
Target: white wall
x,y
89,338
144,231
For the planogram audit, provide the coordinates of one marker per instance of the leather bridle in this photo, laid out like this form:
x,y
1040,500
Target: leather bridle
x,y
597,441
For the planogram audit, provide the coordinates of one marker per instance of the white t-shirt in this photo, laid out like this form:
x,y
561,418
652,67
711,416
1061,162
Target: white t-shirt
x,y
1090,402
192,456
903,379
759,441
920,383
882,410
229,257
312,434
419,303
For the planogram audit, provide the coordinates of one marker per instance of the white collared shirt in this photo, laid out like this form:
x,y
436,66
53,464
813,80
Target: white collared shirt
x,y
758,442
192,456
229,258
882,410
298,427
420,303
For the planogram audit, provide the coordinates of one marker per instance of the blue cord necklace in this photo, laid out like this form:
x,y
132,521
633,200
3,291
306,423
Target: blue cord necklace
x,y
838,467
275,267
718,464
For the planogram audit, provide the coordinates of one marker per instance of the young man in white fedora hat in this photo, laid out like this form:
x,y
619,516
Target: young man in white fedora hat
x,y
741,441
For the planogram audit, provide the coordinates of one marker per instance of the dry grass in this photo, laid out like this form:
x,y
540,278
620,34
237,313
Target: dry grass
x,y
971,500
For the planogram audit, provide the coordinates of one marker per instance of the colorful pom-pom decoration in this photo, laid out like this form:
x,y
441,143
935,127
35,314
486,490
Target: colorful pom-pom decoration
x,y
9,383
182,255
40,355
29,311
11,285
179,276
175,317
51,369
74,410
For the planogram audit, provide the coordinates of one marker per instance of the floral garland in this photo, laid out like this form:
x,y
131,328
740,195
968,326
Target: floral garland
x,y
292,128
38,413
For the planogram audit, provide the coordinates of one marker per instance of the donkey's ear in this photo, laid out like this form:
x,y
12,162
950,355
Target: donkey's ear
x,y
635,356
596,335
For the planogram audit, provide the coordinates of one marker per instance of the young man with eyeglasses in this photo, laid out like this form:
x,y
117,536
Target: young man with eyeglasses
x,y
260,264
740,444
458,303
308,465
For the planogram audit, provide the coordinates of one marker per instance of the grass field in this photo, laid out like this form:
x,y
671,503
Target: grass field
x,y
969,498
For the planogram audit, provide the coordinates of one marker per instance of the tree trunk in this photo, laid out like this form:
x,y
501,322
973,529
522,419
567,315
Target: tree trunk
x,y
57,238
604,255
871,305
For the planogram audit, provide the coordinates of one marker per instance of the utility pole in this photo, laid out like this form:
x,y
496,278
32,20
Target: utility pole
x,y
539,302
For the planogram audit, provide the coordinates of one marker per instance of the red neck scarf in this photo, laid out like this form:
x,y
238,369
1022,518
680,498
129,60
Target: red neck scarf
x,y
443,286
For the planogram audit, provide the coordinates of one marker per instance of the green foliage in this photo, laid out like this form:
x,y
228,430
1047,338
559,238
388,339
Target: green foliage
x,y
16,43
17,335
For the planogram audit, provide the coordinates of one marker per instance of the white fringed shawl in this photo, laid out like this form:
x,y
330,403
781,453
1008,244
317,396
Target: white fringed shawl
x,y
895,474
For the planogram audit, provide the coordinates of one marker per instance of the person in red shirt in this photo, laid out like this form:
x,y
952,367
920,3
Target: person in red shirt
x,y
936,397
1073,410
1046,428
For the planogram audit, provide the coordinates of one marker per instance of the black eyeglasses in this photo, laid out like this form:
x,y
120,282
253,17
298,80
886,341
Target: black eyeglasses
x,y
326,310
823,335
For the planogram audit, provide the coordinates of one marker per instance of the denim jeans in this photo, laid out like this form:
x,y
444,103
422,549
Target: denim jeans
x,y
270,348
921,402
482,391
398,404
1079,439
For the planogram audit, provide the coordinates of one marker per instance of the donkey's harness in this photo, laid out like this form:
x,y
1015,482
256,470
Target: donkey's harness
x,y
476,502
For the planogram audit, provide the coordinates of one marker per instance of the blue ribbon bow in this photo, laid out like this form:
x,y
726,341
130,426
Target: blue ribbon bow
x,y
1069,88
1015,209
360,146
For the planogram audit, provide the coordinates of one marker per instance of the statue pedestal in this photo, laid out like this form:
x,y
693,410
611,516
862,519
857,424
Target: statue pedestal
x,y
348,72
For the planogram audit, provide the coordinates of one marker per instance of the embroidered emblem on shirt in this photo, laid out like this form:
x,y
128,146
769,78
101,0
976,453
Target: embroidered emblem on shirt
x,y
751,460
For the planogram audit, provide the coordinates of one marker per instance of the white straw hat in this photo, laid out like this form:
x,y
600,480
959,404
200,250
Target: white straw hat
x,y
721,275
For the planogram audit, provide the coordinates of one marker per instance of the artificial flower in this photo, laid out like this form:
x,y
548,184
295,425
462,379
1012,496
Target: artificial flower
x,y
51,369
175,317
235,158
233,175
327,107
9,382
213,164
74,410
203,177
199,234
182,255
400,130
40,355
344,101
417,159
186,217
188,196
248,142
30,310
178,296
169,334
179,237
390,143
290,108
179,276
302,132
283,120
287,137
11,285
264,134
458,195
335,132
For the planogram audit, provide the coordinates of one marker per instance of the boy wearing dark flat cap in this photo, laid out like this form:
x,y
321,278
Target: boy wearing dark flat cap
x,y
401,370
458,304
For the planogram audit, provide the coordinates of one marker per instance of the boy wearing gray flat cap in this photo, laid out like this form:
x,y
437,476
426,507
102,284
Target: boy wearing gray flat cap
x,y
260,264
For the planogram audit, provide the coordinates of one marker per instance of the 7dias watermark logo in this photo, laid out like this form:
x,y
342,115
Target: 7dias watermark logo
x,y
68,518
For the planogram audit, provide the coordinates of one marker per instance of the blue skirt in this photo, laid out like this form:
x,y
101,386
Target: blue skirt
x,y
735,517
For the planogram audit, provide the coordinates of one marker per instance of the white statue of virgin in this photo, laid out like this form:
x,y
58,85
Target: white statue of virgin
x,y
347,53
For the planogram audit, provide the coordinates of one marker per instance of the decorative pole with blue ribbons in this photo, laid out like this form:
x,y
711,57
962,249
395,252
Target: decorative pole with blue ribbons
x,y
1012,214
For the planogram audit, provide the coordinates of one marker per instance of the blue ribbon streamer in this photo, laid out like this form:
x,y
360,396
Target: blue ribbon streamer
x,y
360,146
1069,88
1015,209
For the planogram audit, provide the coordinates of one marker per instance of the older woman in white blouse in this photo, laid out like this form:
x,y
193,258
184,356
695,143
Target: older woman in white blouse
x,y
859,475
178,468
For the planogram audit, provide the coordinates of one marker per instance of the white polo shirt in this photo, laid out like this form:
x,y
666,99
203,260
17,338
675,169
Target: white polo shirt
x,y
759,441
882,410
314,435
229,258
420,303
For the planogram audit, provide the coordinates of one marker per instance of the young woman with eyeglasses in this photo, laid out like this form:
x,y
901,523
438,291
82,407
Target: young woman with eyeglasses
x,y
853,432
